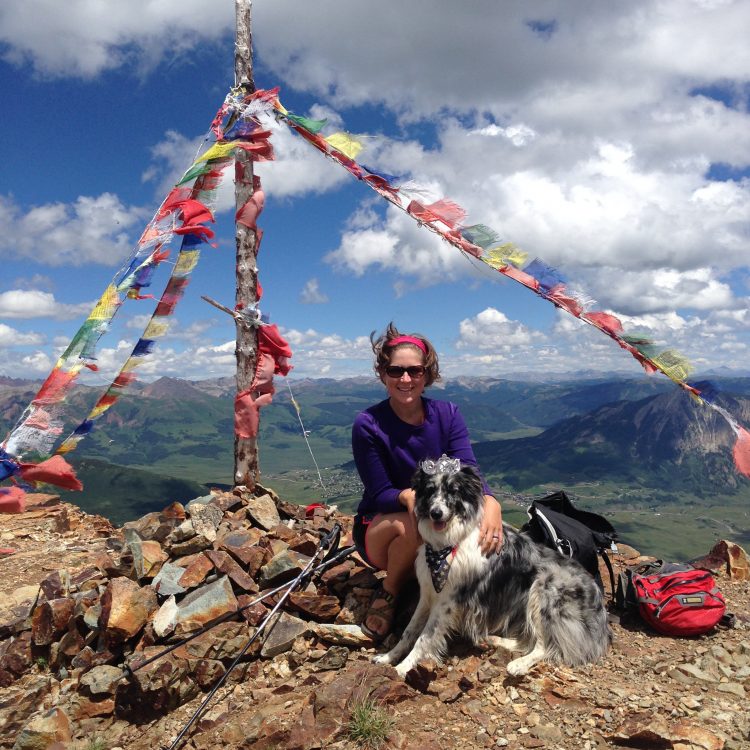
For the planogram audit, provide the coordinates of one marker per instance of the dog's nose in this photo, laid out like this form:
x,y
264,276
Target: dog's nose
x,y
436,514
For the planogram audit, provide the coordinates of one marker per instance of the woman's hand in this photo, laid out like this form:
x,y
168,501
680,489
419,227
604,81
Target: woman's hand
x,y
408,499
491,528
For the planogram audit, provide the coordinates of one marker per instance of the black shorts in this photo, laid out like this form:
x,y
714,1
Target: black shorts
x,y
359,533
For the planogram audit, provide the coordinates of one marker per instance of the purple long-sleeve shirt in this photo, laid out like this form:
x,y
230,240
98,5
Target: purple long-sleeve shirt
x,y
387,450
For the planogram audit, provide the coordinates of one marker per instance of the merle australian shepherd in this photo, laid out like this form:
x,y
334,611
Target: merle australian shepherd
x,y
525,598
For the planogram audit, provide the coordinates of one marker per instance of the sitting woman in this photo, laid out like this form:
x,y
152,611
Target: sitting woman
x,y
388,442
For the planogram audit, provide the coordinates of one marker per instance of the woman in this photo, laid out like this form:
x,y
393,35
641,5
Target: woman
x,y
388,441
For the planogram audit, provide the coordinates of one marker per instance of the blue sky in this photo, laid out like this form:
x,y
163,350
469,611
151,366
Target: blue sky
x,y
612,142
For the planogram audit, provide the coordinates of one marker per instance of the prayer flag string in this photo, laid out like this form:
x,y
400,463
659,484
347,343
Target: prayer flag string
x,y
444,217
184,212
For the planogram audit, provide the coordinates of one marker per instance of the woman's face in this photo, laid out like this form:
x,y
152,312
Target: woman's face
x,y
405,391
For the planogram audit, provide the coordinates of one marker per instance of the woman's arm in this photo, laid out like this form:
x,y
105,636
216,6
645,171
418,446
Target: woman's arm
x,y
366,449
491,528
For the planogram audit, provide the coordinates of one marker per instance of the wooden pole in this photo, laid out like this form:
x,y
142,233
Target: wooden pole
x,y
246,289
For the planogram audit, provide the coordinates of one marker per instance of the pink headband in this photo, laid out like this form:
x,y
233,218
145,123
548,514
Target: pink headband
x,y
407,340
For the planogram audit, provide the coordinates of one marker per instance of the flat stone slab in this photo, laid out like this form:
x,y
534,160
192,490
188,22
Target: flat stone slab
x,y
167,580
205,605
283,635
282,568
342,635
263,512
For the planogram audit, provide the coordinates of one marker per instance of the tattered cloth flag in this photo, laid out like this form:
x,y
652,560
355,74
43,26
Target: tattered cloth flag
x,y
479,241
184,212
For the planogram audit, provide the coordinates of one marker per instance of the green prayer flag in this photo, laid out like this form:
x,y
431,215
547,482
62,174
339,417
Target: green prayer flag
x,y
313,126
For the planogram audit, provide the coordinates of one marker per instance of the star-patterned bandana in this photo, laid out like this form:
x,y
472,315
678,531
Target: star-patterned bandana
x,y
439,562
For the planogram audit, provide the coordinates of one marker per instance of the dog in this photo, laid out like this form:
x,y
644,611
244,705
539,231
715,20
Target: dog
x,y
526,597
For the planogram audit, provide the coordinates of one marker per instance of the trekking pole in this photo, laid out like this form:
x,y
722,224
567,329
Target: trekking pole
x,y
329,561
329,539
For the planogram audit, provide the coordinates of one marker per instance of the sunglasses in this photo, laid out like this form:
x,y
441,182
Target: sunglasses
x,y
395,371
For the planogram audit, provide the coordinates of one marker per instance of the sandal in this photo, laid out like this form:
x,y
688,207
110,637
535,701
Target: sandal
x,y
384,613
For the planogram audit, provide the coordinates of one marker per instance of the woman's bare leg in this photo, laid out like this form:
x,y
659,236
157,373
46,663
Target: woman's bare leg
x,y
392,542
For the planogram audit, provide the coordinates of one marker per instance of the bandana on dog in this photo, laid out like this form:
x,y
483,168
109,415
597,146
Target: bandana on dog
x,y
439,562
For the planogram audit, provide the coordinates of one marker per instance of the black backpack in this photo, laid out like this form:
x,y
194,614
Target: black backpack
x,y
584,536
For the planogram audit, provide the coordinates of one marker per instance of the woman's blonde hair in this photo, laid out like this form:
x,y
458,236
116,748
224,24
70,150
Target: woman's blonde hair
x,y
383,350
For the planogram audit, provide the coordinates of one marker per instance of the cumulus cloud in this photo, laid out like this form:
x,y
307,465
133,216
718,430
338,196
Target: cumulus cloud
x,y
492,330
588,134
83,39
92,229
298,168
11,337
311,294
661,290
21,303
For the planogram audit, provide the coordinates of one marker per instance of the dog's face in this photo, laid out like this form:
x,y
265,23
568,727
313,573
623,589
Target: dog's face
x,y
448,504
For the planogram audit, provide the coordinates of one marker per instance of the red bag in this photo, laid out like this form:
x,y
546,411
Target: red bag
x,y
678,599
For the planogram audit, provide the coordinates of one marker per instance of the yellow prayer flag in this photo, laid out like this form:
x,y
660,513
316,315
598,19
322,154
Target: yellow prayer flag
x,y
186,262
346,143
98,410
501,255
155,329
69,444
107,304
218,151
673,364
281,108
131,364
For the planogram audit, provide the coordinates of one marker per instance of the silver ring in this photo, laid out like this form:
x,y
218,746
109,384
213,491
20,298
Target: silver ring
x,y
495,536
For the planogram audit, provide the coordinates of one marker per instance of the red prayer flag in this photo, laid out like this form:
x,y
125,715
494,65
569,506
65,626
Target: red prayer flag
x,y
605,321
518,275
245,415
54,387
741,452
55,470
12,500
565,301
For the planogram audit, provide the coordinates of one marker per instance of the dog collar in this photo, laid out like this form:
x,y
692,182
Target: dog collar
x,y
439,562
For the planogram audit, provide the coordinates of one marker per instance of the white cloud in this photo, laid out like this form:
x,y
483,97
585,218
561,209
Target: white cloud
x,y
89,230
311,294
37,363
492,330
20,303
11,337
37,281
298,167
81,38
661,291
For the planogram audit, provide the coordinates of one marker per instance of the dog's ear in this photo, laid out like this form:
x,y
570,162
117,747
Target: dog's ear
x,y
472,479
417,479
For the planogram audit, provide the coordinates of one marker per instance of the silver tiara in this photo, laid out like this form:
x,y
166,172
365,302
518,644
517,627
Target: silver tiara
x,y
442,465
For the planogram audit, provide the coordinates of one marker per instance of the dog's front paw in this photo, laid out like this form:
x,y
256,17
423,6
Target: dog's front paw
x,y
403,669
383,658
518,667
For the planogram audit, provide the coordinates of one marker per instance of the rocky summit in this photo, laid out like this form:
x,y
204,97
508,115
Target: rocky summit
x,y
89,611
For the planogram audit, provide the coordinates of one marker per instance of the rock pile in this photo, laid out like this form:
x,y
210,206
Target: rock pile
x,y
80,602
165,576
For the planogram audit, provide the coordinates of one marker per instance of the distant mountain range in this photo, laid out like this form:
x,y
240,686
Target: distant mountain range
x,y
625,442
666,442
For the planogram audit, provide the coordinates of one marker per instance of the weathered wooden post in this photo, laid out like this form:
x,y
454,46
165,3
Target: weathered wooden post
x,y
246,290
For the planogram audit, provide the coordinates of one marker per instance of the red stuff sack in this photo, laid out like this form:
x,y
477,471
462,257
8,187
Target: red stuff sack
x,y
678,599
